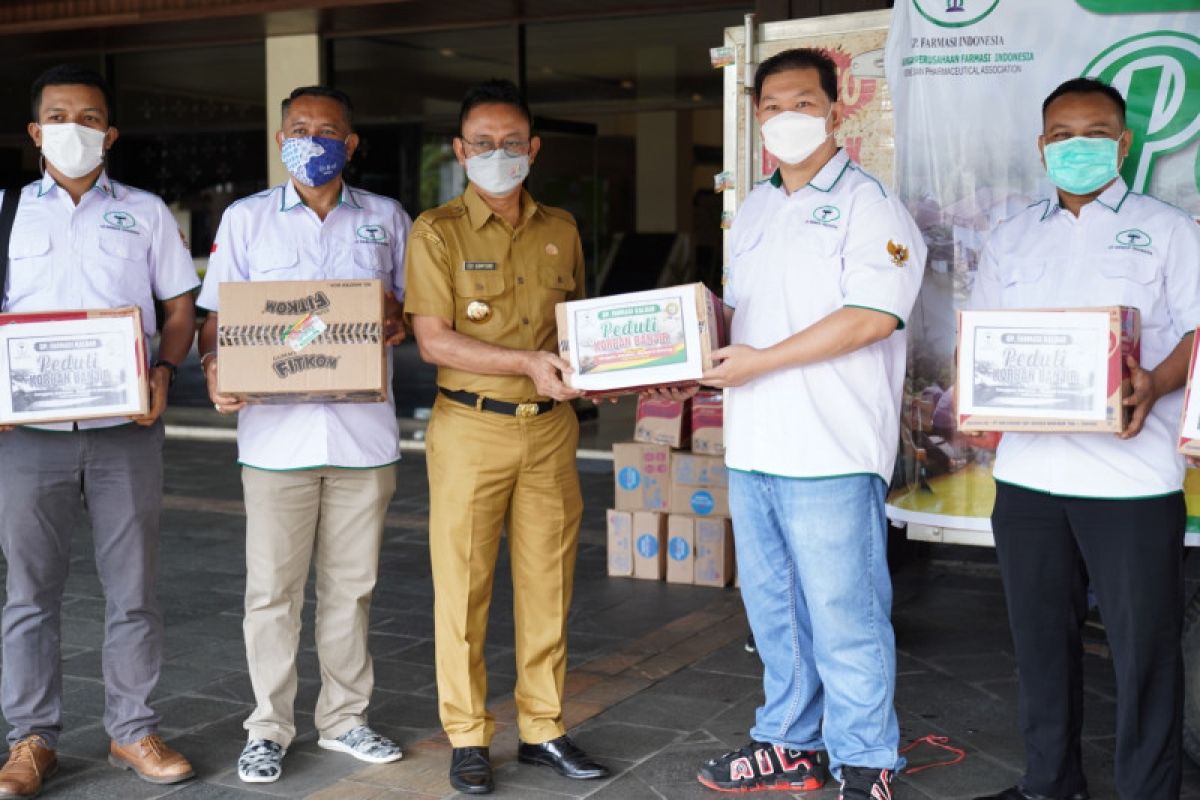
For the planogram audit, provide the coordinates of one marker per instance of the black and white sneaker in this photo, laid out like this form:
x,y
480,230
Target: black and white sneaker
x,y
760,767
865,783
261,761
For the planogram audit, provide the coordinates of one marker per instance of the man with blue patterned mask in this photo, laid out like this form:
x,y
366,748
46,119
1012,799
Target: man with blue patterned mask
x,y
315,144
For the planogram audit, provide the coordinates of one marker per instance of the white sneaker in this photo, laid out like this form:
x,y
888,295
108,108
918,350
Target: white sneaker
x,y
365,745
261,761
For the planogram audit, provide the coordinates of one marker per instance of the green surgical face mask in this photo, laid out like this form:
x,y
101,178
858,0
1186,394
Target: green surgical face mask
x,y
1083,164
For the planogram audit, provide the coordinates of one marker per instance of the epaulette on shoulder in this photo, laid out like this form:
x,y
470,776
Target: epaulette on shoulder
x,y
452,210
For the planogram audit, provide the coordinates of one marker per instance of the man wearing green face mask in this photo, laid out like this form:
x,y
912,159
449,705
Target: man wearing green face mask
x,y
1097,510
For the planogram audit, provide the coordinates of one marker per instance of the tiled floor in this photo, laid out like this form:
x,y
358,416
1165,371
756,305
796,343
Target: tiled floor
x,y
658,677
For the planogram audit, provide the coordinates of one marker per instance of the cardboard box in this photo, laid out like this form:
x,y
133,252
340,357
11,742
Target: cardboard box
x,y
663,422
627,342
1189,426
642,473
714,552
708,423
649,545
681,549
1045,370
64,366
620,543
699,485
302,341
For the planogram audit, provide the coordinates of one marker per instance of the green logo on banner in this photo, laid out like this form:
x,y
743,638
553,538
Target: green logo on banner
x,y
1159,75
1138,6
954,13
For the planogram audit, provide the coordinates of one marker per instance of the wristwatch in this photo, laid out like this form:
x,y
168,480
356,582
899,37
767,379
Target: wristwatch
x,y
162,362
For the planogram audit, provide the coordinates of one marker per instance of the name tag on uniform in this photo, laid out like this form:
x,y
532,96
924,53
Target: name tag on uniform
x,y
479,266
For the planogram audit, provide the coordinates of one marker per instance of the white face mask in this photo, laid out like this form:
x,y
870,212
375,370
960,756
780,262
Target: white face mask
x,y
497,173
792,136
73,149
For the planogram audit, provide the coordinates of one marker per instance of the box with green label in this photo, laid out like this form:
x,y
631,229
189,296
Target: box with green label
x,y
627,342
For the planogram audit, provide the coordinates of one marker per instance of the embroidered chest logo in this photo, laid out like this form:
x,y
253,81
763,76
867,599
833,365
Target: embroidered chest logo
x,y
825,216
371,234
1133,239
119,221
898,253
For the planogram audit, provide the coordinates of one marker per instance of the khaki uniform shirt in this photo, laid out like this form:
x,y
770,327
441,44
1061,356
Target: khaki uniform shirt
x,y
461,253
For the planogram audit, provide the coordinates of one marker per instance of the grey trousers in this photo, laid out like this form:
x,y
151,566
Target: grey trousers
x,y
44,476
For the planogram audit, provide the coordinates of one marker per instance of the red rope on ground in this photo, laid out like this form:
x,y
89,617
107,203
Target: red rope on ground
x,y
940,742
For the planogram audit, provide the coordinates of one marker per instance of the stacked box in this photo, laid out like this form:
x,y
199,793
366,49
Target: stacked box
x,y
699,485
708,423
666,422
643,476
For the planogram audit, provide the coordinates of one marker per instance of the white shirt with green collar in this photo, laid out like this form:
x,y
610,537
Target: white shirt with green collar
x,y
119,246
840,241
1123,249
273,236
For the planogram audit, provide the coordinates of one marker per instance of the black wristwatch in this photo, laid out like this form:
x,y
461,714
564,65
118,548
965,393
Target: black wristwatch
x,y
162,362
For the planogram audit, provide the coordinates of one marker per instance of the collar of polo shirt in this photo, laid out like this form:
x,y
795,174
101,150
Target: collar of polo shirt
x,y
826,178
479,212
291,198
1111,198
102,184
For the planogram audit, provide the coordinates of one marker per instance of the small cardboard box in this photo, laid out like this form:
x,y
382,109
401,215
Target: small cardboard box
x,y
64,366
708,423
626,342
1189,426
1045,370
663,422
620,543
699,485
649,545
642,473
714,552
681,549
302,341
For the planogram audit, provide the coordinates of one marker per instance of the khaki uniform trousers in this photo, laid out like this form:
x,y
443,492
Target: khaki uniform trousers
x,y
337,516
488,471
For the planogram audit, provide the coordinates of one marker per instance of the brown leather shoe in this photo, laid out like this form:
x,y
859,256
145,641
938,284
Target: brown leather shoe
x,y
151,759
29,763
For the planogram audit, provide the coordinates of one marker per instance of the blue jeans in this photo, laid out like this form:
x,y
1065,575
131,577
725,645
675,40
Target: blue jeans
x,y
812,561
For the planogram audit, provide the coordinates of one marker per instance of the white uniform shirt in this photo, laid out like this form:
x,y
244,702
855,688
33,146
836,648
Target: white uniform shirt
x,y
273,236
1124,249
794,259
119,247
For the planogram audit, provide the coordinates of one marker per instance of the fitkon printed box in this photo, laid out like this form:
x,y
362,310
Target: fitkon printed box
x,y
302,341
64,366
1045,370
1189,427
621,343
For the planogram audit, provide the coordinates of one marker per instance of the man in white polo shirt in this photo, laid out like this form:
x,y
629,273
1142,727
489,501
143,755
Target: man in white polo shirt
x,y
318,477
1091,509
824,267
81,240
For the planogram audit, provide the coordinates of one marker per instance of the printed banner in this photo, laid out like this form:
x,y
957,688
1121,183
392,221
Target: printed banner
x,y
967,78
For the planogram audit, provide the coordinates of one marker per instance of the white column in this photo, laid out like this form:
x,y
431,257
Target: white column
x,y
291,61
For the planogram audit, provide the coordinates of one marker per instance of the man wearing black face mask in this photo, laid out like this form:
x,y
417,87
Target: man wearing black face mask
x,y
318,477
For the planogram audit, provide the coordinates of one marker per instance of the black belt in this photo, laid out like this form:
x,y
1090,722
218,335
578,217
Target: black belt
x,y
499,406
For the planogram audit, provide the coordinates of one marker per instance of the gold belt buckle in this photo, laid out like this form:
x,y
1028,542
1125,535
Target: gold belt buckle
x,y
527,409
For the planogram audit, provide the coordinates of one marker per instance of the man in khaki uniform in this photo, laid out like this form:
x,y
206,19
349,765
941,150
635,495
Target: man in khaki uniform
x,y
484,273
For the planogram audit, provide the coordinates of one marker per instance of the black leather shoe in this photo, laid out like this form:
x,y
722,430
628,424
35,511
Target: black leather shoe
x,y
564,757
471,770
1017,793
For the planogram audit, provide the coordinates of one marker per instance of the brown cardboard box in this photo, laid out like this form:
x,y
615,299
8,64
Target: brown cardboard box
x,y
699,485
649,545
663,422
302,341
1189,425
1045,370
708,423
642,474
620,543
714,552
622,343
681,549
63,366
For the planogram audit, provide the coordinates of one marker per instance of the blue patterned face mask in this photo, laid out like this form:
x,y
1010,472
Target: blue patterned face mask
x,y
1083,164
313,160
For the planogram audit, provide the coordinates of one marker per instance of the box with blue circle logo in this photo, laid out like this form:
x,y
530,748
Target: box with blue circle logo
x,y
642,474
699,485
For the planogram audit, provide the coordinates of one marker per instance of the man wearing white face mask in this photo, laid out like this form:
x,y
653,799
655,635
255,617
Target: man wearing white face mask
x,y
1093,510
317,477
81,240
824,267
484,274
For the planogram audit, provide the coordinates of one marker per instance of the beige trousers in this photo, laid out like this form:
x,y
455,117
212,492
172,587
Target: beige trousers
x,y
337,516
489,472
